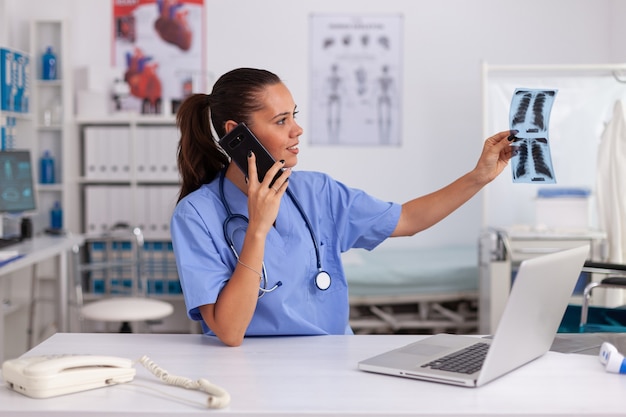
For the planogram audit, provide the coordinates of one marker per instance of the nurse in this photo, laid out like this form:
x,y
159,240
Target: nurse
x,y
255,260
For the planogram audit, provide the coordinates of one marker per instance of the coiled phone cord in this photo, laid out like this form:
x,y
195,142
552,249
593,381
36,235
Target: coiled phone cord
x,y
218,397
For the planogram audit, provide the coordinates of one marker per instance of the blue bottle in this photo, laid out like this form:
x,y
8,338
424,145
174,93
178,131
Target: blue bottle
x,y
46,169
49,65
56,217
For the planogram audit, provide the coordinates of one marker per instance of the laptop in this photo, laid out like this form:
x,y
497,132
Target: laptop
x,y
539,296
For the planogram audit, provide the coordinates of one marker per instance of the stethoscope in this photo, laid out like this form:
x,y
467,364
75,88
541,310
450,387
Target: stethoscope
x,y
322,278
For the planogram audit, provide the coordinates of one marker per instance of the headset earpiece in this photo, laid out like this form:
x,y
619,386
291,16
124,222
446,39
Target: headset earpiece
x,y
611,358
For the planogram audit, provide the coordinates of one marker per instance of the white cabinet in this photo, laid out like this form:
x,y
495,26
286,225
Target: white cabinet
x,y
52,116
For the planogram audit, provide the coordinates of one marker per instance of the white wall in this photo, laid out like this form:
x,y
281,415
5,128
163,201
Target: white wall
x,y
445,42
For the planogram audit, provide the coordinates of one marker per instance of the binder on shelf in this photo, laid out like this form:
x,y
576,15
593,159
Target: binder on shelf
x,y
160,267
106,206
155,153
122,275
116,141
156,282
117,277
159,154
155,211
142,149
152,154
107,153
168,195
142,207
14,81
121,205
93,203
168,144
92,151
161,201
154,207
96,277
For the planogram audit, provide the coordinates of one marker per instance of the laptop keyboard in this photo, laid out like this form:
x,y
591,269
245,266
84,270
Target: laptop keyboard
x,y
466,361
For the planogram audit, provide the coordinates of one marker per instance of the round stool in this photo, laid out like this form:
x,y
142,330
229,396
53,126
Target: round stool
x,y
127,309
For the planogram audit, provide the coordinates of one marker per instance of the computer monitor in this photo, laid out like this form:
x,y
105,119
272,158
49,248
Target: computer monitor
x,y
17,187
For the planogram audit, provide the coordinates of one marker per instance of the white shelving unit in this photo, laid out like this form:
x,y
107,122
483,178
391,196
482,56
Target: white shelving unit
x,y
13,301
37,135
141,190
132,158
53,128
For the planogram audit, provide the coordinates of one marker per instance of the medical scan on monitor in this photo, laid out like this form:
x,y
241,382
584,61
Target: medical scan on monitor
x,y
530,117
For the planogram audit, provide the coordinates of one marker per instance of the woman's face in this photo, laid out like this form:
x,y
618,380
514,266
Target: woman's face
x,y
275,125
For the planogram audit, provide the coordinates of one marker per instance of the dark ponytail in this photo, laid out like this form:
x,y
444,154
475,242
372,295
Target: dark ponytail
x,y
199,157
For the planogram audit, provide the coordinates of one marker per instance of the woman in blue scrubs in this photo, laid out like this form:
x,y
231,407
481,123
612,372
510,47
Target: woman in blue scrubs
x,y
249,253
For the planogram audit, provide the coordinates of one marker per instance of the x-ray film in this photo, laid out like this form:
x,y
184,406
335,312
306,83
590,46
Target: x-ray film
x,y
530,116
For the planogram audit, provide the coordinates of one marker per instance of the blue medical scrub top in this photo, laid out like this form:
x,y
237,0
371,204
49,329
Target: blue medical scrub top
x,y
342,218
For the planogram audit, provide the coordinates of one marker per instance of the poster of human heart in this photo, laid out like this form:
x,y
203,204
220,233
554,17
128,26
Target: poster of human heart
x,y
158,50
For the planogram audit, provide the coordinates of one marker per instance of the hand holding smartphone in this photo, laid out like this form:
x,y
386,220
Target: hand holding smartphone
x,y
238,142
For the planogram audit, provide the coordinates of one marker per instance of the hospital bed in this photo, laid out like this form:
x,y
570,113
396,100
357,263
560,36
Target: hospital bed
x,y
416,290
501,250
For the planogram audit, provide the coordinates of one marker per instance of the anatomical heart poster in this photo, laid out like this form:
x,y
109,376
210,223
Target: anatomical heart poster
x,y
158,49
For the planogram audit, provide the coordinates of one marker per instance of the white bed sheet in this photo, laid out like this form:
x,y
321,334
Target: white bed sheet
x,y
412,270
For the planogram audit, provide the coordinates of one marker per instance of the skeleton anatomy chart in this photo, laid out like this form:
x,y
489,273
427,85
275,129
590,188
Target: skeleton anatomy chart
x,y
530,116
355,79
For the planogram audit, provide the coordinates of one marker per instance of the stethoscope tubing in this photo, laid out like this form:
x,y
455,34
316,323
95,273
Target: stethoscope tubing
x,y
230,216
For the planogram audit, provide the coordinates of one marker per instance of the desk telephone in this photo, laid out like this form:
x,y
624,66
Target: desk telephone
x,y
49,376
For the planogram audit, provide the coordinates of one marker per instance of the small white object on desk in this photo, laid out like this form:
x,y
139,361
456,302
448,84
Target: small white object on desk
x,y
6,255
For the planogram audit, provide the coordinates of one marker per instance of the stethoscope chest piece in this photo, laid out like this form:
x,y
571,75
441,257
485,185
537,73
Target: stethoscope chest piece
x,y
322,280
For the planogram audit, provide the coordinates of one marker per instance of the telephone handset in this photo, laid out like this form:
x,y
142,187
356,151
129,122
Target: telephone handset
x,y
49,376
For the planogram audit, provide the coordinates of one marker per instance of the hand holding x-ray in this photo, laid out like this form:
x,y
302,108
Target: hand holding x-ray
x,y
530,116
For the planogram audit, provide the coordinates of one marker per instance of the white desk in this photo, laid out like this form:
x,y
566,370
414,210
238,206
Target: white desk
x,y
36,250
316,376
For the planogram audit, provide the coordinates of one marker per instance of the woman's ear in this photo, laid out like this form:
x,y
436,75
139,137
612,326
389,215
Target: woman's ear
x,y
230,125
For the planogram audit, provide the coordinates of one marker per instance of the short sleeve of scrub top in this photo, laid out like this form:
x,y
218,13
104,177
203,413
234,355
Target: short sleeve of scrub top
x,y
341,217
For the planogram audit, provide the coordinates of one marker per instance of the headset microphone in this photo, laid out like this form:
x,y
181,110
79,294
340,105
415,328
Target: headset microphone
x,y
612,360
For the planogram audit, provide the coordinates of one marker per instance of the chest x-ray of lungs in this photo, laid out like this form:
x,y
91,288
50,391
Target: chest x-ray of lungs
x,y
530,116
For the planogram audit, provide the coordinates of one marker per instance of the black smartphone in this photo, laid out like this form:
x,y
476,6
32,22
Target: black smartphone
x,y
238,142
